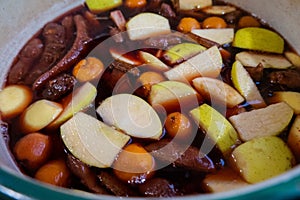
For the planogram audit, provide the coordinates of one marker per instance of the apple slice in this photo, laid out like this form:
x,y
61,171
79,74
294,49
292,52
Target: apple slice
x,y
145,25
243,82
79,100
173,96
207,63
224,180
293,58
92,141
39,114
291,98
294,138
182,52
260,39
220,36
131,114
194,4
268,121
14,99
253,59
153,61
96,6
217,91
216,126
262,158
219,9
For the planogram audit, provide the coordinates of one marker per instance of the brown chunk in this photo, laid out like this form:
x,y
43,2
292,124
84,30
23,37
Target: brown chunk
x,y
287,78
158,187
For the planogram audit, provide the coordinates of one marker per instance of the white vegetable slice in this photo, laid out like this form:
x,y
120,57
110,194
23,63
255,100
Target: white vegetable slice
x,y
219,10
221,36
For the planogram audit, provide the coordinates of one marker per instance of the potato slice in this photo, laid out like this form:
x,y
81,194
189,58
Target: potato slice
x,y
14,99
253,59
145,25
224,180
291,98
217,91
262,158
207,63
218,128
132,115
92,141
220,36
268,121
294,138
39,115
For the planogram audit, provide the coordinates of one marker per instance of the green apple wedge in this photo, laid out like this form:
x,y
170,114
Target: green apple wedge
x,y
217,127
221,36
132,115
98,6
262,158
181,52
259,39
155,63
92,141
79,100
243,82
268,121
216,91
294,138
145,25
289,97
173,96
207,63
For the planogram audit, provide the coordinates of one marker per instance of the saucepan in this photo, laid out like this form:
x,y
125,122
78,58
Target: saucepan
x,y
20,20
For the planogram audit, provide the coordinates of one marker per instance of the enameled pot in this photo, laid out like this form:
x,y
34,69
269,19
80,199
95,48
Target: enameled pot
x,y
20,19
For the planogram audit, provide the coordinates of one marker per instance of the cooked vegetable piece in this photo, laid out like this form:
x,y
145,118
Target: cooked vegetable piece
x,y
268,121
119,55
14,99
223,180
134,164
220,36
54,172
156,24
135,3
145,82
216,126
96,6
248,21
187,24
219,9
178,126
260,39
217,92
86,136
88,69
194,4
131,114
243,82
257,158
293,58
79,100
33,150
253,59
181,52
153,61
291,98
207,63
294,138
214,22
39,115
173,96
